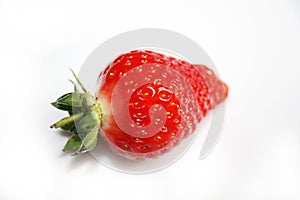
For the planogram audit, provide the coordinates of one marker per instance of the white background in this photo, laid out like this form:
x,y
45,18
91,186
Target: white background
x,y
254,44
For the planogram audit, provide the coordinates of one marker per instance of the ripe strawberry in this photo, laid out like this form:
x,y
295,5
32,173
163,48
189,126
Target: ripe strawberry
x,y
146,103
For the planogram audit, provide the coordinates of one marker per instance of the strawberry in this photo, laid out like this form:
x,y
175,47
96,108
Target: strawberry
x,y
146,103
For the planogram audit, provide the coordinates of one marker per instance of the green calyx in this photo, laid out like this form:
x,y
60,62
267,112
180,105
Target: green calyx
x,y
84,118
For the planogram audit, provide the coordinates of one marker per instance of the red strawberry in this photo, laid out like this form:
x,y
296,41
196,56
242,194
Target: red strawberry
x,y
149,102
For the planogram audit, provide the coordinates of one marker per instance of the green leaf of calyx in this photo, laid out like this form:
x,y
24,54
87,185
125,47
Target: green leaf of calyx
x,y
89,141
75,86
70,127
73,143
85,116
88,121
73,101
77,79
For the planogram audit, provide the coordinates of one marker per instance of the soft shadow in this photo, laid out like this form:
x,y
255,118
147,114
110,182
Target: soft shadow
x,y
85,159
63,133
80,161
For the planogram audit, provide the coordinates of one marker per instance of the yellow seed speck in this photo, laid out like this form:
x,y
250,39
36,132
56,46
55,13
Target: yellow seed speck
x,y
163,95
168,113
136,103
172,103
144,147
158,120
179,125
173,134
146,93
176,121
130,82
111,74
165,76
153,71
137,139
163,128
158,137
130,56
139,114
140,70
156,105
126,146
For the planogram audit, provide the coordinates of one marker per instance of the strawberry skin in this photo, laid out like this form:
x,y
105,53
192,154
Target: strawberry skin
x,y
161,112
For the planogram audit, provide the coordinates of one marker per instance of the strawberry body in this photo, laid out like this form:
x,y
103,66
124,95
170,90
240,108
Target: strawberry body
x,y
146,103
151,102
